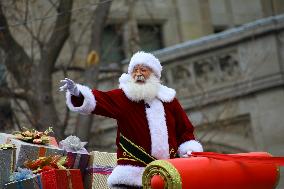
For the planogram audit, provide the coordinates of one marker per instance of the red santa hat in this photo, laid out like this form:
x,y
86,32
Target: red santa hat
x,y
146,59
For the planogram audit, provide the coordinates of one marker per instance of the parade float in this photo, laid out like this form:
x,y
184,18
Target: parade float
x,y
213,170
27,161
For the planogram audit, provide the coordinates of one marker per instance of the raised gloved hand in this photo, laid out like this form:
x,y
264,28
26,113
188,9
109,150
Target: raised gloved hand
x,y
69,85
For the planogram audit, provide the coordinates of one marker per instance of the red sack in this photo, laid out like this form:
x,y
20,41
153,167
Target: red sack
x,y
211,170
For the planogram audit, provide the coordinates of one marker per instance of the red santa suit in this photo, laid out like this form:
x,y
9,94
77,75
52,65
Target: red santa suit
x,y
159,126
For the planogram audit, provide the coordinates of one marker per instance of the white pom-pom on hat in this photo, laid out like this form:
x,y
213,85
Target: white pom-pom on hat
x,y
146,59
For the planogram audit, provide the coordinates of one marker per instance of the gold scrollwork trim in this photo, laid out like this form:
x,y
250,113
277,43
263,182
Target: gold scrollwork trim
x,y
142,149
7,146
132,155
128,159
125,154
166,170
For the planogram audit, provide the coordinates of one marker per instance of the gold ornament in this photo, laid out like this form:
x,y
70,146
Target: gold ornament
x,y
93,58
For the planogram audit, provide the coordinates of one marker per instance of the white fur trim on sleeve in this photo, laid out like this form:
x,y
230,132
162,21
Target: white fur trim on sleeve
x,y
191,145
89,103
126,174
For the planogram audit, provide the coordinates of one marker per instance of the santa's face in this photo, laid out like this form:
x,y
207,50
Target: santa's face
x,y
141,73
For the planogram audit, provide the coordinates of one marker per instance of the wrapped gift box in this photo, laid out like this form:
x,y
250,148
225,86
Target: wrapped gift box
x,y
99,168
212,170
78,161
7,163
27,151
31,183
6,138
62,179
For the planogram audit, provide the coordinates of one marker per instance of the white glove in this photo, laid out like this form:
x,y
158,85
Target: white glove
x,y
69,85
186,148
188,154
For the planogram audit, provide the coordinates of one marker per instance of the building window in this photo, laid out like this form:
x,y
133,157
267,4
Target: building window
x,y
218,29
112,45
150,37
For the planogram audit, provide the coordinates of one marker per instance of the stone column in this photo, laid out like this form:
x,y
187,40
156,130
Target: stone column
x,y
229,13
195,18
272,7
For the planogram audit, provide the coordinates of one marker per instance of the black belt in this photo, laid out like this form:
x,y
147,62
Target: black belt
x,y
135,151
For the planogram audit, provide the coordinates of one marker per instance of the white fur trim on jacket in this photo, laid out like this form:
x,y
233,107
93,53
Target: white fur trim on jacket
x,y
126,174
158,129
146,59
89,103
189,146
165,94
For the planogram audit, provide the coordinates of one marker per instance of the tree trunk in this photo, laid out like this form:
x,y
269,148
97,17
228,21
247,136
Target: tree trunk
x,y
47,113
36,80
84,123
132,27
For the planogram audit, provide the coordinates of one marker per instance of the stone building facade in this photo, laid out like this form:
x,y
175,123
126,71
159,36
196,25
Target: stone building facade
x,y
231,85
215,71
230,81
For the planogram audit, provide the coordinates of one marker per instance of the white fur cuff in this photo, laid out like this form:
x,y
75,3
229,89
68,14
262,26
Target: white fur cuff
x,y
191,145
126,174
89,103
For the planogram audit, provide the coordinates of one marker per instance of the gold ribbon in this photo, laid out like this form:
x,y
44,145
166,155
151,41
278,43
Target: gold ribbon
x,y
13,155
7,146
69,179
93,58
41,151
166,170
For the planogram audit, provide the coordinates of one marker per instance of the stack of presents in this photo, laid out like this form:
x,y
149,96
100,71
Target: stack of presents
x,y
33,160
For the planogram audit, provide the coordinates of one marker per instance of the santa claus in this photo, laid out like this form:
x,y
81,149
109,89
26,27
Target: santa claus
x,y
151,122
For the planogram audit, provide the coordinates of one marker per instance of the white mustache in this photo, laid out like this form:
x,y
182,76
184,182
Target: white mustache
x,y
140,78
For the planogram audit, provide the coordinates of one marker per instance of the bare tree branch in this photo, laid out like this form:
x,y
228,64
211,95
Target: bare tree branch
x,y
16,93
41,24
50,52
134,40
67,113
92,73
59,34
68,68
17,61
80,69
29,118
76,44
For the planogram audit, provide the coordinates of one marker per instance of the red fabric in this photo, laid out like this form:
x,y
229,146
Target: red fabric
x,y
41,151
203,172
157,182
59,179
241,158
133,124
49,180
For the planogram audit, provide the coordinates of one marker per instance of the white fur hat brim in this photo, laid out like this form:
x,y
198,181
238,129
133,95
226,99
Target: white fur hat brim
x,y
146,59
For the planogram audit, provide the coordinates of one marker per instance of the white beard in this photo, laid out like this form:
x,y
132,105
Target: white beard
x,y
143,91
